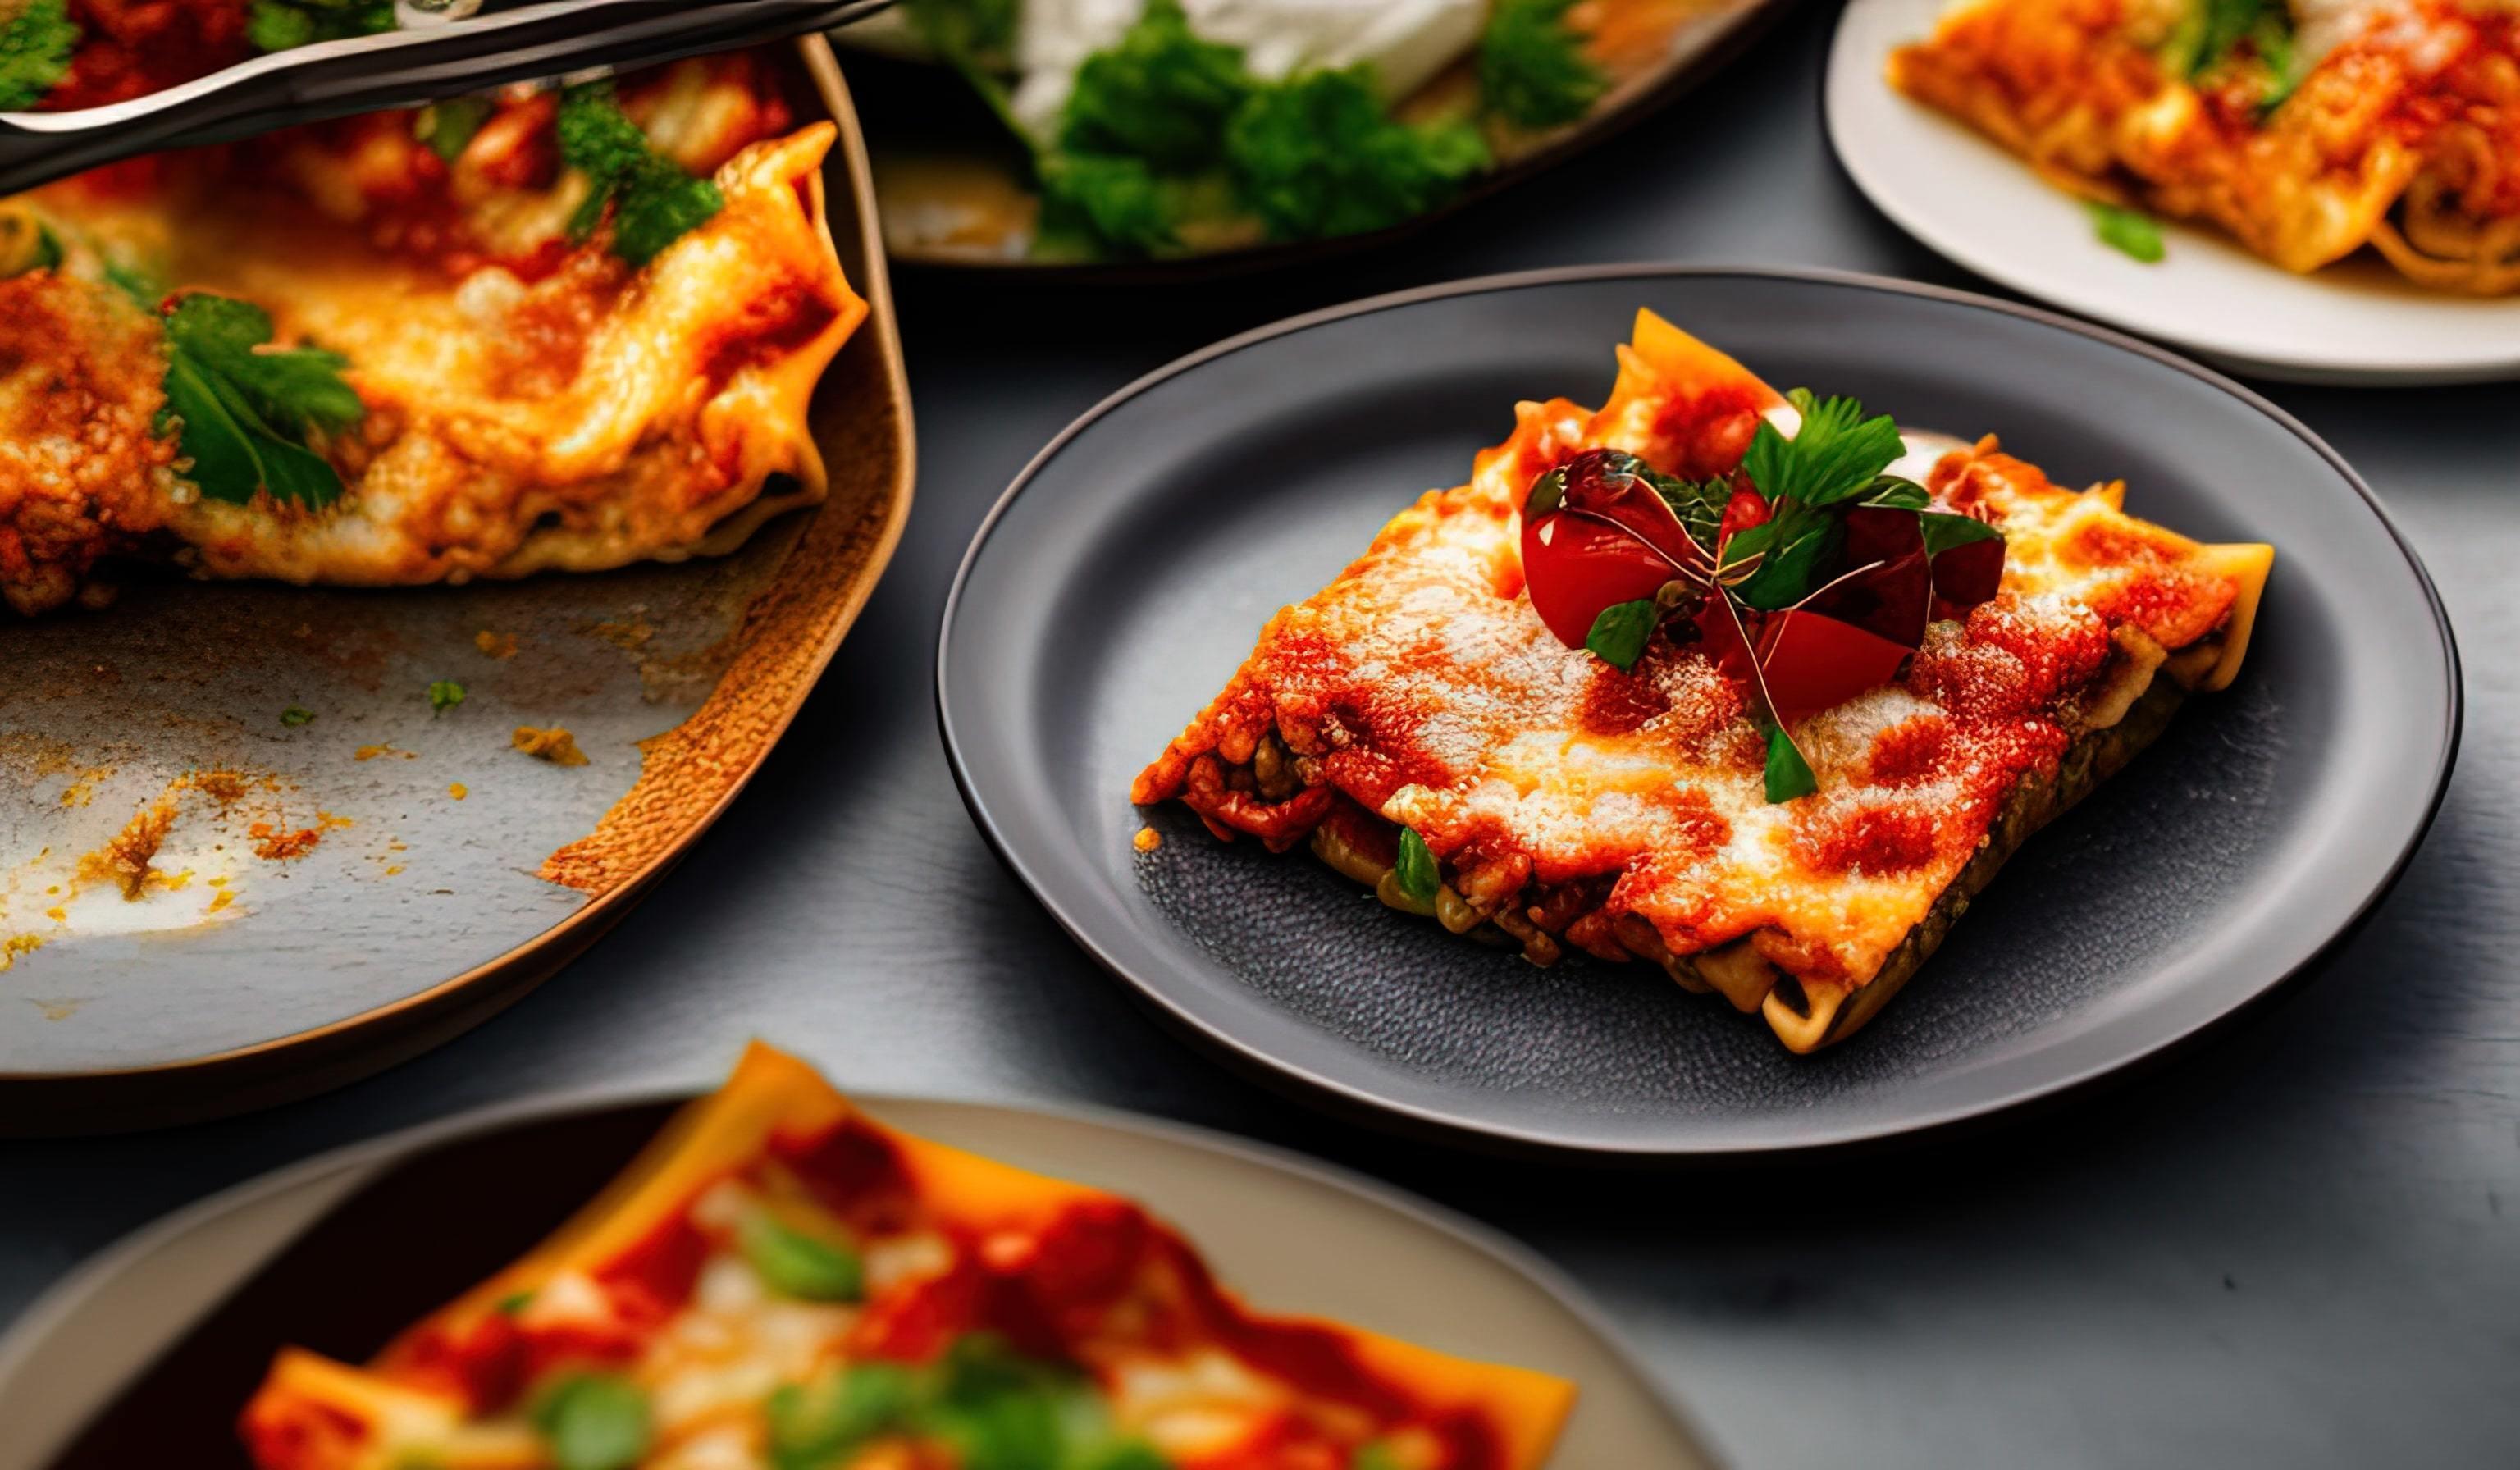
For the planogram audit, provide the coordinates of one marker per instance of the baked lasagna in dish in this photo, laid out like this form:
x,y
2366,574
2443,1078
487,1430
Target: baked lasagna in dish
x,y
780,1281
1745,685
2307,129
560,329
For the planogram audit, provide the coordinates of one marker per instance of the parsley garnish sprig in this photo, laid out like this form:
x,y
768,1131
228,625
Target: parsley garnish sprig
x,y
653,202
1533,72
245,408
35,46
1772,539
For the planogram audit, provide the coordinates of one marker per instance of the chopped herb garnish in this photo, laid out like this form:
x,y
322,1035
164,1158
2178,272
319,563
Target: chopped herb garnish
x,y
653,201
1118,202
297,715
813,1424
1836,455
991,1408
1944,530
797,1265
1317,156
445,695
2127,230
1788,775
512,1302
1161,95
448,126
974,31
246,407
1811,573
284,24
1532,69
1619,635
1419,874
1375,1454
35,46
593,1421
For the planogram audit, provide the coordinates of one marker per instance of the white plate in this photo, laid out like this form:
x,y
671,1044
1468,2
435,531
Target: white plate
x,y
1288,1234
2357,322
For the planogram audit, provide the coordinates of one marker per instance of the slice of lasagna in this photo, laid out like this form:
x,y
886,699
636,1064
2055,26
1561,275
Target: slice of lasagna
x,y
560,328
1754,689
780,1281
2306,129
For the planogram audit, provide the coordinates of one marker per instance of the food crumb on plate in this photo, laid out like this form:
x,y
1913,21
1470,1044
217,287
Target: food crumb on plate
x,y
556,745
458,790
1149,839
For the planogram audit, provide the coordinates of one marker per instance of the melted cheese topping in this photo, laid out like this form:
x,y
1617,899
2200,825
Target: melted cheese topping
x,y
532,404
1421,686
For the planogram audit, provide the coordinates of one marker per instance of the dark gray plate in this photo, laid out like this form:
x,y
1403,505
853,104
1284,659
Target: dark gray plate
x,y
1126,573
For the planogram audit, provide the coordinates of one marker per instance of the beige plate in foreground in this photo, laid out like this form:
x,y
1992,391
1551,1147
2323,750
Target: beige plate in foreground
x,y
163,1337
413,873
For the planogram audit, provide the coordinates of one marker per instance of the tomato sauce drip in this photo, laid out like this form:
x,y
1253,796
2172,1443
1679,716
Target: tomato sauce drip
x,y
130,48
1700,435
855,1171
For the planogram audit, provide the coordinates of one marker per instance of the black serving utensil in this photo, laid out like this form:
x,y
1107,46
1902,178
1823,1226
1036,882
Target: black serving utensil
x,y
400,69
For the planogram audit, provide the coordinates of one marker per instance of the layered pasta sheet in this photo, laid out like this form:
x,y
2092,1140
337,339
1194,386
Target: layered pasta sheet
x,y
535,388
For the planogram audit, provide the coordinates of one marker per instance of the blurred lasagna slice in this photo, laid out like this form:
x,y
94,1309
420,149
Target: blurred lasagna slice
x,y
561,329
2306,129
782,1281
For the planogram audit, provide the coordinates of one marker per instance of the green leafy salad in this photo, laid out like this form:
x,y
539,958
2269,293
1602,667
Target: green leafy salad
x,y
1214,126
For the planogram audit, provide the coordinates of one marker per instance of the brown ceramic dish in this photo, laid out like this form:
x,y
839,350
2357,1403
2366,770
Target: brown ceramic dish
x,y
437,875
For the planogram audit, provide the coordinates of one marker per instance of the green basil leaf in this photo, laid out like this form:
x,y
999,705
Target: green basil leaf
x,y
1748,542
1945,530
293,716
1547,493
1768,458
1788,775
1839,452
2127,232
1419,876
1890,491
801,1266
1806,542
593,1421
445,695
1621,632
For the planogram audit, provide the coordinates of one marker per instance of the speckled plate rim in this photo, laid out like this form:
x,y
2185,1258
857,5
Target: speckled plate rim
x,y
1310,1084
350,1165
1650,93
319,1058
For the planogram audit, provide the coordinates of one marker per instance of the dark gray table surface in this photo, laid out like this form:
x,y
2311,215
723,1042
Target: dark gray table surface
x,y
2299,1244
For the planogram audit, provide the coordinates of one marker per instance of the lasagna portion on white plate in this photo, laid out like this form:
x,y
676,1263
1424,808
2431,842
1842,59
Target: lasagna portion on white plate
x,y
550,328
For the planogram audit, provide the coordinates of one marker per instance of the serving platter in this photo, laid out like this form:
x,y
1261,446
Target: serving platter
x,y
949,158
1126,573
2355,321
338,892
144,1354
